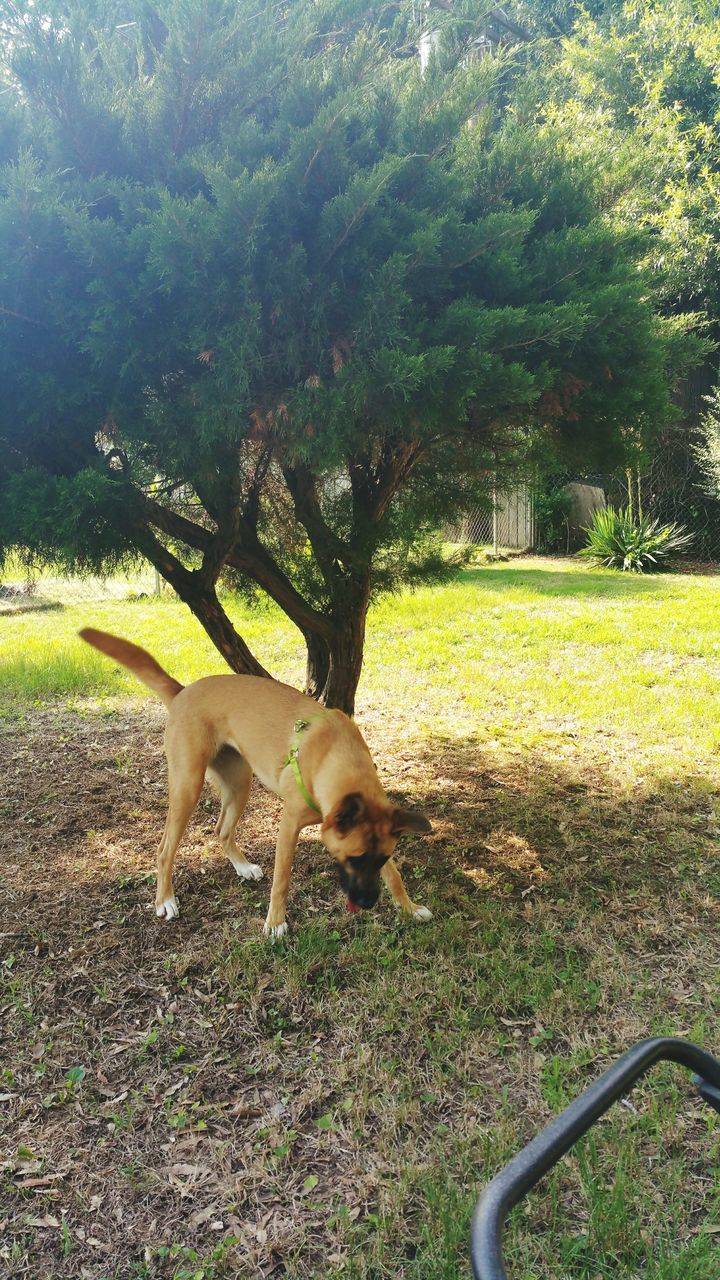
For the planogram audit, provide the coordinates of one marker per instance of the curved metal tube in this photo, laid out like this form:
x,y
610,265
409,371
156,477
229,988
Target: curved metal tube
x,y
533,1162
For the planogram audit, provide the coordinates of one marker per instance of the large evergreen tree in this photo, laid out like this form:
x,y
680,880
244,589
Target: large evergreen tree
x,y
270,304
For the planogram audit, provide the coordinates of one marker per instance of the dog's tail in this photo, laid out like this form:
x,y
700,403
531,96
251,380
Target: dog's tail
x,y
138,661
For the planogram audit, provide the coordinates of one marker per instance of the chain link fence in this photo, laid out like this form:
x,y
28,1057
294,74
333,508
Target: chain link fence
x,y
668,488
505,522
671,489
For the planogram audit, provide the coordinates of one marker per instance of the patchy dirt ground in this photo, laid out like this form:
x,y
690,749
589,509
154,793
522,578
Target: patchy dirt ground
x,y
184,1101
145,1093
154,1139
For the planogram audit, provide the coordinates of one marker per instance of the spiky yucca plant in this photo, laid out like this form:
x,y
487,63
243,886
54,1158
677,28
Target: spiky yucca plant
x,y
618,540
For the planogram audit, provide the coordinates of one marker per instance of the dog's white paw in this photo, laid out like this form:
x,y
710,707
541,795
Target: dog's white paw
x,y
421,913
168,909
248,870
275,932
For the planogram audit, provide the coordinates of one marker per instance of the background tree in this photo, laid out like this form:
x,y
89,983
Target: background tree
x,y
269,307
637,91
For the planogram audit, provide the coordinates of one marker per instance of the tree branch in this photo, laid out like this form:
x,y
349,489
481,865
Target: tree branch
x,y
375,487
404,459
248,556
329,550
200,597
18,315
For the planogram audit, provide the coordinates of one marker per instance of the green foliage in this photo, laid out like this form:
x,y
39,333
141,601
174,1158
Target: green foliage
x,y
638,92
707,445
270,306
552,510
74,523
618,540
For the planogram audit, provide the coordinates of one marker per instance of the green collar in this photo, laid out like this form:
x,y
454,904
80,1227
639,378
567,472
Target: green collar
x,y
293,761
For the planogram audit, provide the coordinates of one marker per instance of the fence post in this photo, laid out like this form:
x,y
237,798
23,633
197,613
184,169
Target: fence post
x,y
495,514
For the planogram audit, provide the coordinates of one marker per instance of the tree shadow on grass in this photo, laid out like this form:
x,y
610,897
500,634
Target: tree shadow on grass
x,y
32,606
82,819
534,823
583,582
201,1045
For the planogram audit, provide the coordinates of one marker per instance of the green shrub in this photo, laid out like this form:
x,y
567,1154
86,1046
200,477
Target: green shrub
x,y
620,541
552,514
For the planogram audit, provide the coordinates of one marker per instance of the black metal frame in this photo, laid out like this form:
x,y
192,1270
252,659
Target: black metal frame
x,y
513,1182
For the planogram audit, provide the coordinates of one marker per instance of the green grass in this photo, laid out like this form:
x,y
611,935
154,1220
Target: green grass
x,y
504,652
42,658
561,726
519,648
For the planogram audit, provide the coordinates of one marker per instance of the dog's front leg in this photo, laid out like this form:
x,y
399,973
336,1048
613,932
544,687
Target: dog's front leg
x,y
275,925
394,882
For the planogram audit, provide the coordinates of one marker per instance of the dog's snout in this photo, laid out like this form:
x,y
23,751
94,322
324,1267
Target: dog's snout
x,y
366,898
361,891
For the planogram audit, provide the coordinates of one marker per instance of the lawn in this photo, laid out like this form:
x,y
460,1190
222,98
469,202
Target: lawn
x,y
184,1101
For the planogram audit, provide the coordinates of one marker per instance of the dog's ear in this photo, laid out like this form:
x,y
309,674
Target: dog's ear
x,y
349,812
409,820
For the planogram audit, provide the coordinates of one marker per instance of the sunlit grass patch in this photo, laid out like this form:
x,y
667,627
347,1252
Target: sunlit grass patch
x,y
504,651
42,670
41,656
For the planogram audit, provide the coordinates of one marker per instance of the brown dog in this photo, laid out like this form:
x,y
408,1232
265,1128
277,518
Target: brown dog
x,y
226,728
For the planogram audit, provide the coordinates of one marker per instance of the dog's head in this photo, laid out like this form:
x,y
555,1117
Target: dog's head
x,y
361,836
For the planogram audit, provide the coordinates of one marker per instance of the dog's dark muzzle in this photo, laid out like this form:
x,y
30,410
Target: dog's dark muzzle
x,y
361,892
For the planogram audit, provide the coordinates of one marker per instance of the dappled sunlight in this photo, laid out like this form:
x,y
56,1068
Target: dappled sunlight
x,y
508,853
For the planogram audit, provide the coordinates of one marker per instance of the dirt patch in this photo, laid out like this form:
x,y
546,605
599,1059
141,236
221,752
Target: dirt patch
x,y
183,1100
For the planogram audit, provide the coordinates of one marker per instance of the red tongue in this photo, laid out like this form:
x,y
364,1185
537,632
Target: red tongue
x,y
351,906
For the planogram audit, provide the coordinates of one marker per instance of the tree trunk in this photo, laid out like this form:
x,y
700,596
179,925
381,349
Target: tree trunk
x,y
334,658
333,668
212,617
318,665
346,659
198,593
346,646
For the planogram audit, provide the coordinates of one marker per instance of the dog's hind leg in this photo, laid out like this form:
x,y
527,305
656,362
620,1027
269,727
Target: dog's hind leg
x,y
394,882
231,775
186,773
